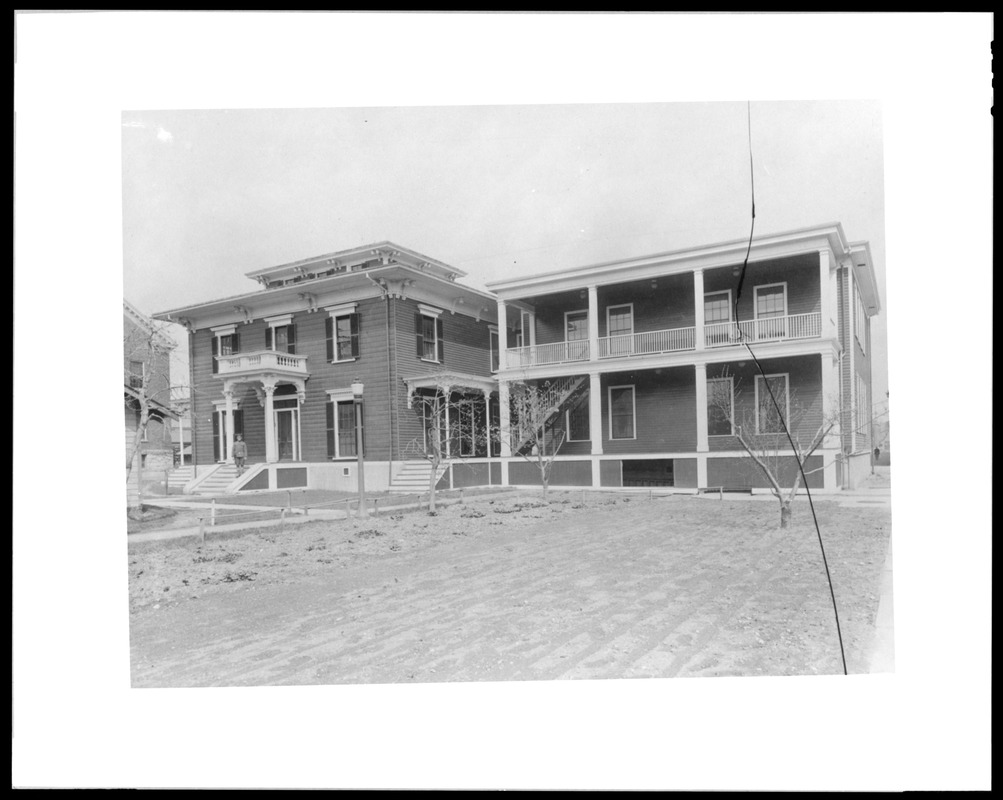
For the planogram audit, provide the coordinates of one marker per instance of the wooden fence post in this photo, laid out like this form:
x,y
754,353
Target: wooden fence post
x,y
202,529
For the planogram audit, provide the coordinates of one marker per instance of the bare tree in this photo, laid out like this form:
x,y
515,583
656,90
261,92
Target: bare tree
x,y
758,426
534,412
455,428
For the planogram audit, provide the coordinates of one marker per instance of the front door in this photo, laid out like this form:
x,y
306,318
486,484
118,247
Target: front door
x,y
287,433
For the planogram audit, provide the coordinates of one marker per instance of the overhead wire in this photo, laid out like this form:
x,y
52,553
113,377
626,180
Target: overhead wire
x,y
769,389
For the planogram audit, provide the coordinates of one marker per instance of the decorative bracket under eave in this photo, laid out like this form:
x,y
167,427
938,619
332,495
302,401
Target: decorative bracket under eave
x,y
246,312
311,301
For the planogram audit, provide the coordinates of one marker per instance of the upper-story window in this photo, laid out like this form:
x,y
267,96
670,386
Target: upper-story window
x,y
620,320
428,333
280,335
771,311
342,332
717,307
225,342
576,334
493,347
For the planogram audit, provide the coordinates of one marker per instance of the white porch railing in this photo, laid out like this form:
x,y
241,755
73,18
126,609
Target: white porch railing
x,y
556,353
647,343
771,329
270,360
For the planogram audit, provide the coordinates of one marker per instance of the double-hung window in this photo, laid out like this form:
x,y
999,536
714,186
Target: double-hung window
x,y
493,347
341,432
428,333
720,406
859,321
620,329
771,311
621,412
576,335
137,374
577,421
342,332
280,335
769,389
717,313
225,342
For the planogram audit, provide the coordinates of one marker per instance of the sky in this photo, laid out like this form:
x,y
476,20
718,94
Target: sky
x,y
496,143
497,191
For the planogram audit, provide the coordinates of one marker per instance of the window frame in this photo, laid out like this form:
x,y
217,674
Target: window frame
x,y
730,308
755,303
633,411
435,315
630,307
567,314
494,349
787,401
588,422
859,320
335,397
731,391
344,311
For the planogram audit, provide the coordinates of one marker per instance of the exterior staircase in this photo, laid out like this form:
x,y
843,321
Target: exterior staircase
x,y
413,478
552,396
217,481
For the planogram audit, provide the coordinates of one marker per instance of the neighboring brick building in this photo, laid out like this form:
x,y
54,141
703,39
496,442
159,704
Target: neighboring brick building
x,y
277,365
146,364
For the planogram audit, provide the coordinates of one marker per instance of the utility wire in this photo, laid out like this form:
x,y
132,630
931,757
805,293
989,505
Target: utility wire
x,y
776,405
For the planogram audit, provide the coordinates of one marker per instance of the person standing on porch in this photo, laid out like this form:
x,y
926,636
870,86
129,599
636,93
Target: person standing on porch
x,y
239,453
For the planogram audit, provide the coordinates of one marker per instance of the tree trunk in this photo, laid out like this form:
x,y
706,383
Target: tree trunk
x,y
431,487
785,514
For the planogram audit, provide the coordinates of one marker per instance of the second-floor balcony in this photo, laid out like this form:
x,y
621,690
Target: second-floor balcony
x,y
651,343
270,361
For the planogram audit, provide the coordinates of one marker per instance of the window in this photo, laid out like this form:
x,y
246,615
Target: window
x,y
280,335
620,323
137,374
720,406
767,418
576,334
342,333
621,412
717,307
859,321
341,434
771,311
428,333
493,347
577,421
225,342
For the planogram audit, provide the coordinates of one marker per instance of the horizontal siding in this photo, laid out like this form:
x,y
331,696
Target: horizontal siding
x,y
737,473
801,273
563,473
805,386
665,411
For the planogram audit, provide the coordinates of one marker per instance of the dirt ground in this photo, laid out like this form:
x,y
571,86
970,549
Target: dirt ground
x,y
506,587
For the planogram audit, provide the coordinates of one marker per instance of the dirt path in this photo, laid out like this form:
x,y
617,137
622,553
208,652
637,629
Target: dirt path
x,y
649,588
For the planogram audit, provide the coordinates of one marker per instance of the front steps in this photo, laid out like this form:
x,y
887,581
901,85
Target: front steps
x,y
218,481
178,478
413,478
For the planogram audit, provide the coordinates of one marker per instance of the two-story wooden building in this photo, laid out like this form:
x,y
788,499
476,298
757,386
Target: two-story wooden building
x,y
653,354
277,365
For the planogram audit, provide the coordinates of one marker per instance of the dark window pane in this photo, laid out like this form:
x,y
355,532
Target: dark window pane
x,y
346,429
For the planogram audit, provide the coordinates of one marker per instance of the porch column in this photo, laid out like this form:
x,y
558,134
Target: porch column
x,y
593,323
228,423
703,445
505,429
271,452
446,391
532,329
502,336
698,293
827,292
830,447
595,413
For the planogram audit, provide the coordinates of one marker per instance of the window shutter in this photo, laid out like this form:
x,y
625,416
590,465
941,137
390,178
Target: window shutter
x,y
441,342
329,408
238,421
236,343
329,335
418,336
215,352
292,339
354,322
268,338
